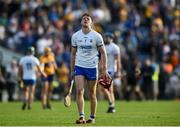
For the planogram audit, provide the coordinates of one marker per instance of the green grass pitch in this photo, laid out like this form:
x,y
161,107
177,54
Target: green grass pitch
x,y
163,113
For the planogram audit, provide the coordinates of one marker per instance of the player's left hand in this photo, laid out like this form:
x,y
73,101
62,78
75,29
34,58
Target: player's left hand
x,y
105,80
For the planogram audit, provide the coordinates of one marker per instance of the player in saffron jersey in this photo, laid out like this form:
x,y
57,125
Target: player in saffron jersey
x,y
114,67
28,66
84,62
49,66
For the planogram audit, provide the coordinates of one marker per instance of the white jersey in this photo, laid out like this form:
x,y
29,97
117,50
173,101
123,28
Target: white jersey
x,y
29,64
87,48
111,50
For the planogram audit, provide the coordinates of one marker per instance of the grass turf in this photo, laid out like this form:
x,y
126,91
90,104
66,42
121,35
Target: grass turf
x,y
163,113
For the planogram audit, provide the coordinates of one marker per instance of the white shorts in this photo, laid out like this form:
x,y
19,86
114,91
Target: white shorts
x,y
117,82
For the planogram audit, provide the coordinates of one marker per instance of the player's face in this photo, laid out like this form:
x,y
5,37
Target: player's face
x,y
86,21
107,40
46,53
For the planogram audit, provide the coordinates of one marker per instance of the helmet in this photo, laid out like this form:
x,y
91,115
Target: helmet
x,y
31,49
109,34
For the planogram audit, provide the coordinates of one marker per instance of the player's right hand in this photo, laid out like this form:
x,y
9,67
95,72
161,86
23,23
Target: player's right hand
x,y
105,82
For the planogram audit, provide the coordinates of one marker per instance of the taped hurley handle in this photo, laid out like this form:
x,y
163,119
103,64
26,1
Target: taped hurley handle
x,y
67,99
71,86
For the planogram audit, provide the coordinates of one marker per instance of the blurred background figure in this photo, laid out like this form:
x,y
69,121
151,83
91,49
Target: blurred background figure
x,y
63,78
132,84
12,79
113,68
28,66
155,79
49,66
147,81
173,86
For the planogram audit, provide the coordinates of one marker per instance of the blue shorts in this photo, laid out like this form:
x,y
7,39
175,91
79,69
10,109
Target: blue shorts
x,y
88,73
49,78
29,82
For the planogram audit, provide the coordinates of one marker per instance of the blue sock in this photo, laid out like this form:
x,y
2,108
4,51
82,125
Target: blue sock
x,y
81,114
111,104
92,117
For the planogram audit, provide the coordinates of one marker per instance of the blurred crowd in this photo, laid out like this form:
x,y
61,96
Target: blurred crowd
x,y
147,32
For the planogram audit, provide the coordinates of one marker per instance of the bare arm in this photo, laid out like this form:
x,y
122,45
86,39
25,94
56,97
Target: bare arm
x,y
40,70
20,72
103,60
118,65
73,55
55,65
